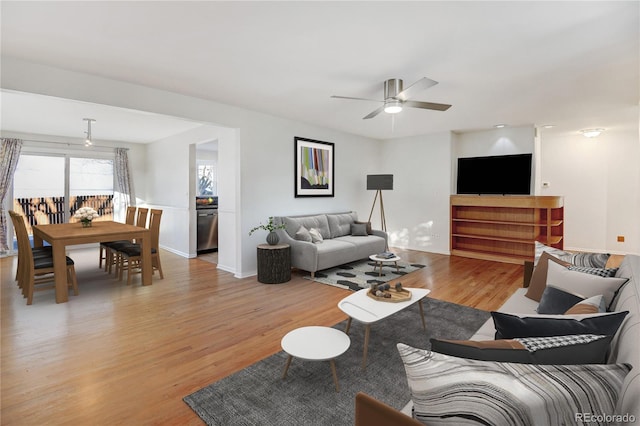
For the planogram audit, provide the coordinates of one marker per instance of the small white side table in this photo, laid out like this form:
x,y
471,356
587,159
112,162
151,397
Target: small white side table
x,y
380,261
316,343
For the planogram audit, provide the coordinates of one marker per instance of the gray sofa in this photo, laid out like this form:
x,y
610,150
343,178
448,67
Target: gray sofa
x,y
624,346
339,245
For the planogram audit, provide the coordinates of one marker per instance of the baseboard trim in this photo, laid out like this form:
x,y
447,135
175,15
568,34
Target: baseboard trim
x,y
179,253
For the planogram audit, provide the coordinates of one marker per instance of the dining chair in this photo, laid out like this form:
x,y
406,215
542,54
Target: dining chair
x,y
141,217
105,250
130,255
37,251
35,270
141,221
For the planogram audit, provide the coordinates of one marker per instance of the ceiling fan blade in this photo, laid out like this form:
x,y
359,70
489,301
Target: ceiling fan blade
x,y
355,99
411,91
374,113
427,105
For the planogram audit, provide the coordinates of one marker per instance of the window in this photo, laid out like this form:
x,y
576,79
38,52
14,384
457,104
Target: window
x,y
43,183
207,183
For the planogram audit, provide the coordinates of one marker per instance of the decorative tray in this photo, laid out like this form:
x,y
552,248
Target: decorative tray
x,y
395,294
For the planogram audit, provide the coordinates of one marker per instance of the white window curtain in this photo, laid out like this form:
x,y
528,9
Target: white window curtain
x,y
10,152
124,181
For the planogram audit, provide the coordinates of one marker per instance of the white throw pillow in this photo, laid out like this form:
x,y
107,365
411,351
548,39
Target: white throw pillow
x,y
316,236
581,284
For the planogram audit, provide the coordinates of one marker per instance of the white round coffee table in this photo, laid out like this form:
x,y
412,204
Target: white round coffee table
x,y
380,261
315,343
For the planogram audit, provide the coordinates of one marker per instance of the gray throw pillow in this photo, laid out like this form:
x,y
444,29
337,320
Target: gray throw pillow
x,y
303,234
359,229
368,224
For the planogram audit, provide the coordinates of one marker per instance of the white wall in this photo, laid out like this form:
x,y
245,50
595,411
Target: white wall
x,y
267,175
262,182
171,187
265,147
417,210
600,181
505,141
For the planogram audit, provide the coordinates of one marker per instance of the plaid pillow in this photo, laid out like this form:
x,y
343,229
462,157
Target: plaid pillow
x,y
536,343
601,272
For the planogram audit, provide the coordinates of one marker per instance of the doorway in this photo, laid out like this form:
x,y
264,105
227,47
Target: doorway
x,y
207,201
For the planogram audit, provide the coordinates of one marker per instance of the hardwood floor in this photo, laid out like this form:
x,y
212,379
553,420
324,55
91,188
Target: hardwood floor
x,y
119,354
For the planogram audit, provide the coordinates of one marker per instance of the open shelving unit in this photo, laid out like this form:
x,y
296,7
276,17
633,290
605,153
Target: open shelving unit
x,y
505,228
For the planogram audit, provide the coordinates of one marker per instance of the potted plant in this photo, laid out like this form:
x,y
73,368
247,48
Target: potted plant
x,y
272,237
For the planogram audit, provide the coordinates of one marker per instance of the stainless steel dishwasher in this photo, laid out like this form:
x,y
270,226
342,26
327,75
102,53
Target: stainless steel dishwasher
x,y
207,229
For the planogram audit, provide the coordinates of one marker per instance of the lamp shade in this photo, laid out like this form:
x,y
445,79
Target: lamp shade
x,y
376,182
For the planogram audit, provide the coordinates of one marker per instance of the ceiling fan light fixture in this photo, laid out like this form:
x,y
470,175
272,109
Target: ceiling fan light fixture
x,y
393,106
591,133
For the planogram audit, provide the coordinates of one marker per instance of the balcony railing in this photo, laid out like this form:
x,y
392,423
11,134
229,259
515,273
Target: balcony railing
x,y
46,210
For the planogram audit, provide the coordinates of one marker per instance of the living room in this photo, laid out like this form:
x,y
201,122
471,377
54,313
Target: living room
x,y
598,178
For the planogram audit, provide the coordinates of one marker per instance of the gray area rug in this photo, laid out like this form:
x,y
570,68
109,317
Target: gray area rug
x,y
362,274
258,395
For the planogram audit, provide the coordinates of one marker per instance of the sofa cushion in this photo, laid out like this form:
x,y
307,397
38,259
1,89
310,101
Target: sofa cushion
x,y
292,224
583,285
580,349
340,224
334,252
538,281
455,391
509,326
363,247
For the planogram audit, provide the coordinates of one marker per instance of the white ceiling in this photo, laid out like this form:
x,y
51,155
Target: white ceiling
x,y
46,115
572,64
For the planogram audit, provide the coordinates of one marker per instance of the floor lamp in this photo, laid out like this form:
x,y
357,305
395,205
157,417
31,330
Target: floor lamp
x,y
379,183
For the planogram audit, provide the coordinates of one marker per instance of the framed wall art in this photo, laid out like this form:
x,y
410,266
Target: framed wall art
x,y
314,168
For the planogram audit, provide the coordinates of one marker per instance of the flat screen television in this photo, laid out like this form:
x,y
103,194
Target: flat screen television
x,y
500,174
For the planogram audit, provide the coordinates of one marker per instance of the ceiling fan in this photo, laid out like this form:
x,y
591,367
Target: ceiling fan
x,y
395,97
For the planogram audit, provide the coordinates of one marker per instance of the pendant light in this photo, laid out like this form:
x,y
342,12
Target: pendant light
x,y
88,141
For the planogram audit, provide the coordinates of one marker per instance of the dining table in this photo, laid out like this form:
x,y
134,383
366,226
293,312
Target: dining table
x,y
61,235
